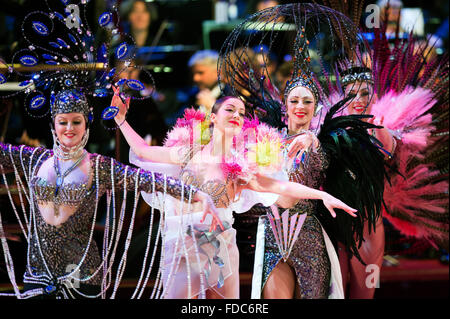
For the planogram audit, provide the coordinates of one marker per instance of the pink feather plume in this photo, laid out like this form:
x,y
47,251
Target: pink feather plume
x,y
414,208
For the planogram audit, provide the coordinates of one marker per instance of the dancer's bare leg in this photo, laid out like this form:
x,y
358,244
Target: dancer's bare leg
x,y
371,251
344,263
230,289
281,283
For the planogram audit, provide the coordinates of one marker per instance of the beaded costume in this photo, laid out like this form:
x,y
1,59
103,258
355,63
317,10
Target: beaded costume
x,y
66,259
52,249
309,257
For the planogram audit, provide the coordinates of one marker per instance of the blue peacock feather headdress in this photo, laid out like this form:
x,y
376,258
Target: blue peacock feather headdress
x,y
60,52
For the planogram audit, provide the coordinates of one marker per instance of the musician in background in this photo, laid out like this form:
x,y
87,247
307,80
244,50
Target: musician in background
x,y
141,20
203,65
205,89
264,4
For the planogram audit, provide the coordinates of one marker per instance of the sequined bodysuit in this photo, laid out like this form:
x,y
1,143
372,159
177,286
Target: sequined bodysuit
x,y
217,189
54,251
308,257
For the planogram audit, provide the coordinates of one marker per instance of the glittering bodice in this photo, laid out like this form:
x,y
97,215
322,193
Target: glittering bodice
x,y
309,171
63,246
308,256
71,194
216,188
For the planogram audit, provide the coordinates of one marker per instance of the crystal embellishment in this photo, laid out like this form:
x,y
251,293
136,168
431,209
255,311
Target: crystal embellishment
x,y
40,28
28,60
104,19
135,85
37,102
110,112
122,51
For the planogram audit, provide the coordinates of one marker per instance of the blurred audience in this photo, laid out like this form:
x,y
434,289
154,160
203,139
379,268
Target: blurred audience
x,y
264,4
203,65
391,10
265,60
205,87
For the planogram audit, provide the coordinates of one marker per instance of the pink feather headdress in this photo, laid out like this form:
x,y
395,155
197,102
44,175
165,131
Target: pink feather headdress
x,y
192,128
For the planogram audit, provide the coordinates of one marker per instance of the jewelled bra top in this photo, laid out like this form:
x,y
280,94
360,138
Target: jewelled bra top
x,y
215,188
71,194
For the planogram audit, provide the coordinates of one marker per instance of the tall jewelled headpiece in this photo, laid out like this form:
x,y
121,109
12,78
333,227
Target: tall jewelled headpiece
x,y
60,52
71,101
301,73
311,37
351,75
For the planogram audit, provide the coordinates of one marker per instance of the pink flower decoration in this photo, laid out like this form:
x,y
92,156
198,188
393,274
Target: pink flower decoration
x,y
231,169
193,115
250,123
269,133
181,122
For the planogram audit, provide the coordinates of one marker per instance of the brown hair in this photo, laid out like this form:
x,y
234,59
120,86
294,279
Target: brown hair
x,y
220,101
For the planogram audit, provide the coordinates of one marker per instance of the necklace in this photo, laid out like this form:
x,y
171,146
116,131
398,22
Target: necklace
x,y
72,152
60,177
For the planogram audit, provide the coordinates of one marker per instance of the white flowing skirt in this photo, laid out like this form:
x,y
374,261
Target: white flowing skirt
x,y
210,261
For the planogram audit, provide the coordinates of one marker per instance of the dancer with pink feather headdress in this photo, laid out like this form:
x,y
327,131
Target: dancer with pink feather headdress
x,y
297,258
410,100
61,189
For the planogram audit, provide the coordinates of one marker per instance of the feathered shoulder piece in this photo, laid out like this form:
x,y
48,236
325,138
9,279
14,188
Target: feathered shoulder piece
x,y
189,130
355,175
412,84
257,149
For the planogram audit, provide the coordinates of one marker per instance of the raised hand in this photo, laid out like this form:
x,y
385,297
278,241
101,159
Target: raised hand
x,y
375,121
118,102
301,143
331,203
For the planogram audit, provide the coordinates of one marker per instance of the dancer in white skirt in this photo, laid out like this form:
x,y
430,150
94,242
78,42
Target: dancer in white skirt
x,y
232,163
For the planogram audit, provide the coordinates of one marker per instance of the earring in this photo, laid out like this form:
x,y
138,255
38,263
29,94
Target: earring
x,y
317,109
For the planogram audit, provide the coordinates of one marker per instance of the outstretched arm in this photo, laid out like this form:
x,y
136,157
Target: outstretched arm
x,y
157,154
113,174
20,157
265,184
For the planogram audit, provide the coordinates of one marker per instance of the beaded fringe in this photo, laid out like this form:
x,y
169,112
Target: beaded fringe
x,y
111,237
